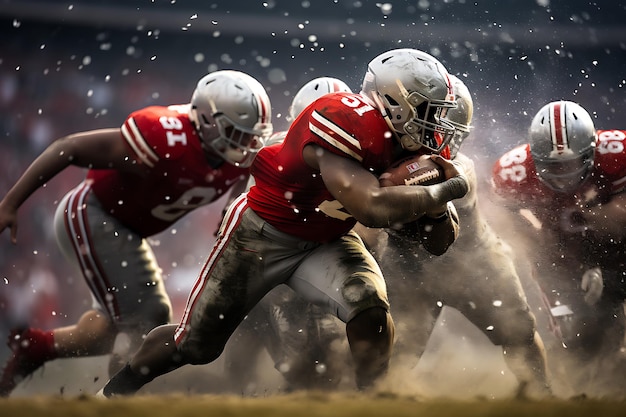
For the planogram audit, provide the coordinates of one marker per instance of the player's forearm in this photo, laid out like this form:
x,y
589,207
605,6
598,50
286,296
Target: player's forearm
x,y
403,204
52,161
608,219
433,199
440,232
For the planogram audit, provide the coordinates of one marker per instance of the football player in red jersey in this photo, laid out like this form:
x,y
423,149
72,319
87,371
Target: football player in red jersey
x,y
567,185
476,276
161,164
295,224
301,338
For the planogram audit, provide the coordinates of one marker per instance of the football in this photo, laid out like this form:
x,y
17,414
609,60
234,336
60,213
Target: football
x,y
412,170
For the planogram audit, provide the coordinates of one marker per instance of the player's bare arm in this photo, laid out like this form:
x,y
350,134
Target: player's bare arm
x,y
609,218
360,193
93,149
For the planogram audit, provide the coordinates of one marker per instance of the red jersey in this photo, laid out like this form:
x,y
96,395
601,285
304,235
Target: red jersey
x,y
292,196
180,178
515,178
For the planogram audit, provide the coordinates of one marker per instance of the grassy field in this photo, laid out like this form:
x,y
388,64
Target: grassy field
x,y
300,404
461,375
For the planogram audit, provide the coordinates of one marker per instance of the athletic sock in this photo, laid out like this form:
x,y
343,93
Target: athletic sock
x,y
37,344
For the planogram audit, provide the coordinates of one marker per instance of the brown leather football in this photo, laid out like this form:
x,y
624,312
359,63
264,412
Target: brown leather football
x,y
412,170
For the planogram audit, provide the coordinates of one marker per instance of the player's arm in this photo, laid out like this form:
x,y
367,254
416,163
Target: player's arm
x,y
93,149
360,193
608,218
438,233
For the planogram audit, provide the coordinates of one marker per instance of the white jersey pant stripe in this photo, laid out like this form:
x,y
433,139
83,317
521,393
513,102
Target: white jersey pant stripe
x,y
233,212
77,227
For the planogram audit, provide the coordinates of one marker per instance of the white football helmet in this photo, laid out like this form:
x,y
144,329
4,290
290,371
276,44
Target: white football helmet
x,y
562,143
313,90
232,113
461,115
413,90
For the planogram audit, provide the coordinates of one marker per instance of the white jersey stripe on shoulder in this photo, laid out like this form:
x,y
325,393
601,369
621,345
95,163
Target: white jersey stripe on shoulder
x,y
338,130
231,220
333,142
136,141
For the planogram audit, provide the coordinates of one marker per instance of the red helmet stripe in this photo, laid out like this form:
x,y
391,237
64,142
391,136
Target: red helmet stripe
x,y
335,86
263,109
557,125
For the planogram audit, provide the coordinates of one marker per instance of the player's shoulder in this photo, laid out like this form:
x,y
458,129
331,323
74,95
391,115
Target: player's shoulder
x,y
349,121
610,153
276,138
155,114
517,156
164,131
515,171
348,109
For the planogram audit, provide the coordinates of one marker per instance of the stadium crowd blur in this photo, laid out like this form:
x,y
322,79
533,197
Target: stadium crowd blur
x,y
58,77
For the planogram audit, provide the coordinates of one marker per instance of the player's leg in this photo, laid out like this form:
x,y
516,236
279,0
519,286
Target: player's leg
x,y
157,356
121,271
93,334
496,304
31,348
414,294
231,282
243,351
352,287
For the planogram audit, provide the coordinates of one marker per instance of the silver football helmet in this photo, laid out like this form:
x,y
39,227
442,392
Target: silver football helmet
x,y
413,90
562,143
232,113
461,115
313,90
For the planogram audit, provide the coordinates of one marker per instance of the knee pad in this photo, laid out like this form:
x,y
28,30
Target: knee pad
x,y
357,290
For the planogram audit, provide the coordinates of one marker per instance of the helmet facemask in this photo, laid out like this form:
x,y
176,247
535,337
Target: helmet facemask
x,y
237,146
564,173
425,126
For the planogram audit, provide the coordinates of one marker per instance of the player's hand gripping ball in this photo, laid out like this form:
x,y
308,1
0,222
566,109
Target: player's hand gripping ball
x,y
418,170
412,170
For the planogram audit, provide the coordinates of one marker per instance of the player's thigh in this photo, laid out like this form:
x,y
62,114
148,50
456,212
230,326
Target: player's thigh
x,y
342,277
243,266
118,265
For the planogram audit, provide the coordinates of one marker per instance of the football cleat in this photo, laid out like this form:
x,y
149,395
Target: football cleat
x,y
21,363
100,394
